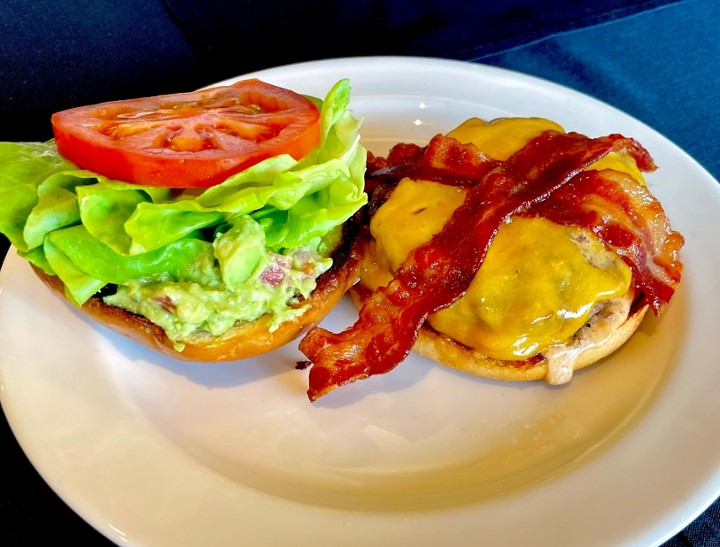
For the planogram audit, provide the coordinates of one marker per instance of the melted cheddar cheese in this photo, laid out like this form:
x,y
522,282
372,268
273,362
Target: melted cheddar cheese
x,y
540,282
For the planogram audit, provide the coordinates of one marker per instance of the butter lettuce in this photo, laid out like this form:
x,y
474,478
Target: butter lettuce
x,y
92,231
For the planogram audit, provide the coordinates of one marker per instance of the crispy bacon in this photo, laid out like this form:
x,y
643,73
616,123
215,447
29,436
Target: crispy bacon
x,y
437,273
627,218
443,160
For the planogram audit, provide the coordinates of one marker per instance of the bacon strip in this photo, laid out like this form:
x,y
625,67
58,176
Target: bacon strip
x,y
436,274
443,160
629,219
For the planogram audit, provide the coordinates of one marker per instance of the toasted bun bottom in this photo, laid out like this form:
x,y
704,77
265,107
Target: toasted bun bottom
x,y
443,349
588,347
243,340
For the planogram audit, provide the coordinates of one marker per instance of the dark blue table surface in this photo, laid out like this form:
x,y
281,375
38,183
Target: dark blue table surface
x,y
659,61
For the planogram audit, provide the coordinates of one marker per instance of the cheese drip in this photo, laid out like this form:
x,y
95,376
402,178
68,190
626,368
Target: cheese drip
x,y
540,281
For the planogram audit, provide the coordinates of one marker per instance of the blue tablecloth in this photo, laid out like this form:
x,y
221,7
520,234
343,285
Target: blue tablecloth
x,y
657,60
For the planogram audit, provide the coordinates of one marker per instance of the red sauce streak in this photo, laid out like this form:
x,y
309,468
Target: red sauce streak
x,y
436,274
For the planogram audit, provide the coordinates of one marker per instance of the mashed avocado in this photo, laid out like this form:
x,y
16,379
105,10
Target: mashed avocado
x,y
243,283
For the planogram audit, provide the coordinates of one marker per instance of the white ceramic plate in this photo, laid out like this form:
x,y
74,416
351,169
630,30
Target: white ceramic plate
x,y
155,452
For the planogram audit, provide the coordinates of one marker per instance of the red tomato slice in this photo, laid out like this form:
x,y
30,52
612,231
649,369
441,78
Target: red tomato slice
x,y
185,140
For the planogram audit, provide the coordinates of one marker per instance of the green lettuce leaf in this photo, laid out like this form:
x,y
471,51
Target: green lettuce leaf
x,y
92,231
24,167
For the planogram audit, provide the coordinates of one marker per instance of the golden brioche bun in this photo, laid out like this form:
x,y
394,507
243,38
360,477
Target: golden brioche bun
x,y
443,349
587,347
243,340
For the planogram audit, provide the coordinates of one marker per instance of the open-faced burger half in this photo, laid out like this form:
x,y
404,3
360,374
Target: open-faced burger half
x,y
508,249
211,225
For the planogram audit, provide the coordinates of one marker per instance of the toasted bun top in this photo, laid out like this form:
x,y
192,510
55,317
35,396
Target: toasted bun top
x,y
245,339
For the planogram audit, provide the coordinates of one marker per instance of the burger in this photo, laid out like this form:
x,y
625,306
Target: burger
x,y
508,249
211,225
